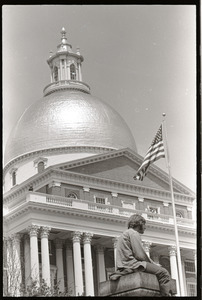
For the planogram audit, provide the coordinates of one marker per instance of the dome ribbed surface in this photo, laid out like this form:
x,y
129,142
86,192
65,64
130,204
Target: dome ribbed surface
x,y
65,119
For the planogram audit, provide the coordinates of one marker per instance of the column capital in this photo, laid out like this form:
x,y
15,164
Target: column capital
x,y
146,245
172,250
45,230
87,237
99,248
115,241
16,238
58,243
76,236
33,230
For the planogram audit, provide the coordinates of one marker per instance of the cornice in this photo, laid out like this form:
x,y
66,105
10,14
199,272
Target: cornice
x,y
105,217
51,174
53,151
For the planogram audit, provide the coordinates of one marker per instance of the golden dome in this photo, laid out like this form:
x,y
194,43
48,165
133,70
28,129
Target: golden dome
x,y
68,118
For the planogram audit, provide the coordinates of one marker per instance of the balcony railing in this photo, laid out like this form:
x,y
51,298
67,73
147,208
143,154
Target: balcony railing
x,y
102,208
66,84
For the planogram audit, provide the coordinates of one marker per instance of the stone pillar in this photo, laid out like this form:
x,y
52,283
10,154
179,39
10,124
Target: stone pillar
x,y
34,255
114,241
61,70
70,269
68,71
59,264
173,266
89,282
27,260
76,237
45,259
65,69
147,246
16,239
101,272
80,74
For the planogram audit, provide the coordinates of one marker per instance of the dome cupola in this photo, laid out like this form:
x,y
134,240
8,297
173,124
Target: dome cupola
x,y
65,67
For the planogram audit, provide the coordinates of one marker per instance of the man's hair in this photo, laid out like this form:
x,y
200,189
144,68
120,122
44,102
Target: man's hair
x,y
136,220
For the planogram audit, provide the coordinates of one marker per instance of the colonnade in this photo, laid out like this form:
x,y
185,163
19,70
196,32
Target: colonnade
x,y
64,70
75,281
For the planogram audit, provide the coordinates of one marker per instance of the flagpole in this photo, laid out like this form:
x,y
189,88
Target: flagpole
x,y
164,133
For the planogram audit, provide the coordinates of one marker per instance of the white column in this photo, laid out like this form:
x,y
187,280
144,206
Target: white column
x,y
173,267
101,272
70,268
27,260
59,264
80,75
61,70
17,263
45,259
89,282
147,246
68,71
34,255
65,67
76,237
114,241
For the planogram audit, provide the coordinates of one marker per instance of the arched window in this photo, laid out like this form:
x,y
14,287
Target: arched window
x,y
56,74
179,214
14,178
72,72
72,195
40,167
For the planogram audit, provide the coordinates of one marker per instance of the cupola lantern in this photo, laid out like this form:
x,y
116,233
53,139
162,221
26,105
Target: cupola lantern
x,y
65,67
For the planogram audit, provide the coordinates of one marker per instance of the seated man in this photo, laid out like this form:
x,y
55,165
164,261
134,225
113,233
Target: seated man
x,y
131,256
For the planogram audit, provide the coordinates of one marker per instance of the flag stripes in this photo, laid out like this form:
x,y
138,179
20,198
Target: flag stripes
x,y
155,152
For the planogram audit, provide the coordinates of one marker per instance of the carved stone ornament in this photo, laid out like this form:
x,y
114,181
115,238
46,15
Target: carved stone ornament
x,y
147,245
76,236
33,230
172,250
87,237
45,230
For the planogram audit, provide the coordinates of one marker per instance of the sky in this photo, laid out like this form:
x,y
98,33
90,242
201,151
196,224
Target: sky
x,y
140,59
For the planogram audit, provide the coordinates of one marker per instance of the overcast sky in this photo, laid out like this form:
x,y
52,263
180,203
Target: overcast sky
x,y
140,59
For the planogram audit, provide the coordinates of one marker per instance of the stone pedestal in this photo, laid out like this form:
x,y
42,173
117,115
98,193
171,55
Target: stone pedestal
x,y
139,284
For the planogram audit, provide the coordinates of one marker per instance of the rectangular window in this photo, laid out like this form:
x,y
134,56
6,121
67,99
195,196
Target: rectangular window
x,y
191,289
189,266
100,200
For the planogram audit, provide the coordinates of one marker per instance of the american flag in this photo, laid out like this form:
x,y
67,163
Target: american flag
x,y
155,151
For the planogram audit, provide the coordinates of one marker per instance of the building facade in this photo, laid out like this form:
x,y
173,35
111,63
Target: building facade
x,y
69,190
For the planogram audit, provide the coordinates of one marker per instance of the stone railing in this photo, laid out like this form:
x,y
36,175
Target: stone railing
x,y
66,84
103,208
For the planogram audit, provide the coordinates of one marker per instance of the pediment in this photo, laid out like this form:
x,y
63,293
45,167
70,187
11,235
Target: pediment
x,y
121,166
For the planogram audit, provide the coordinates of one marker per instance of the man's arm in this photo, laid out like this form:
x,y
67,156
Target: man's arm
x,y
137,247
